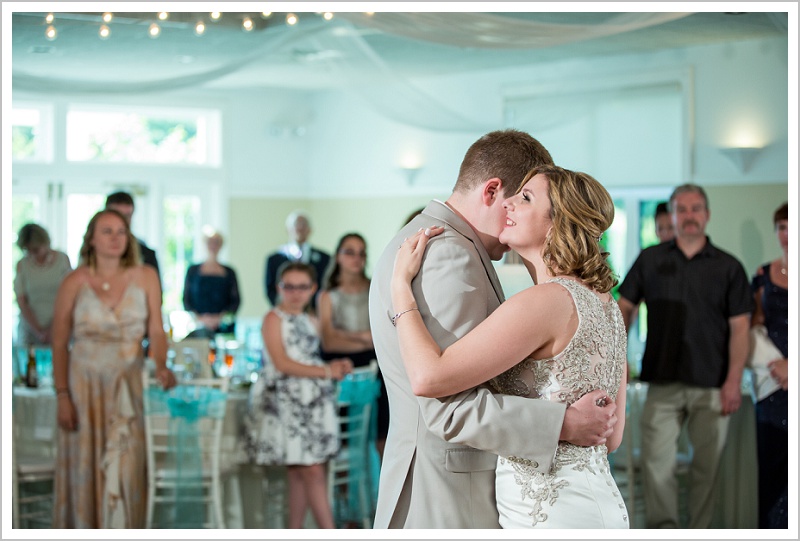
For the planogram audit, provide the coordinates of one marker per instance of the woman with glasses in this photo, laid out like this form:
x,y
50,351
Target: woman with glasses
x,y
292,418
343,309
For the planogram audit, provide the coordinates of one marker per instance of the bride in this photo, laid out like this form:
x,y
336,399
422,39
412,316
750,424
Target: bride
x,y
568,329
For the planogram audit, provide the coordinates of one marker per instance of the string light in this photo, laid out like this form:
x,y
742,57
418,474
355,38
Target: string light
x,y
154,30
49,18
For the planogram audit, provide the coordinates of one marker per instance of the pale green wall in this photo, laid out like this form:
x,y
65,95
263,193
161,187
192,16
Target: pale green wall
x,y
741,223
257,228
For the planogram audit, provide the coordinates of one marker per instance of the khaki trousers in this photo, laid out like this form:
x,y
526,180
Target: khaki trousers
x,y
666,409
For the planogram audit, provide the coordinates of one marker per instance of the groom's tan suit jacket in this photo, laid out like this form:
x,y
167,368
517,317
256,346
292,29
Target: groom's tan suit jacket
x,y
440,456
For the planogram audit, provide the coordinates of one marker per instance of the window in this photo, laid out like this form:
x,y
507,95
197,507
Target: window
x,y
31,133
181,228
151,136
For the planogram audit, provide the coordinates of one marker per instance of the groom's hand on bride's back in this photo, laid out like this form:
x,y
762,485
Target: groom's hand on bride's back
x,y
590,420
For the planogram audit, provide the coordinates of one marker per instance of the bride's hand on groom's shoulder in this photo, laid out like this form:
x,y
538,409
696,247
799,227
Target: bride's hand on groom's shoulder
x,y
409,254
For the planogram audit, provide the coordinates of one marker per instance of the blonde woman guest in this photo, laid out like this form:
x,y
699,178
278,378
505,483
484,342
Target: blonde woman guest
x,y
103,310
211,289
568,329
38,275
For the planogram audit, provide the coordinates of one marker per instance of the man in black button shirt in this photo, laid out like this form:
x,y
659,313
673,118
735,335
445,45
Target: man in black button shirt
x,y
698,313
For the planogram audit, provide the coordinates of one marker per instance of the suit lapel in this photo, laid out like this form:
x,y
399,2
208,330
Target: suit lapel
x,y
440,211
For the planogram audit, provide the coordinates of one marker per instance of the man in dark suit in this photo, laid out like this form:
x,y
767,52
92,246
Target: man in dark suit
x,y
122,202
298,227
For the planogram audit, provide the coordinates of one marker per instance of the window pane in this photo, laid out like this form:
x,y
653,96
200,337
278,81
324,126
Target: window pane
x,y
647,233
137,137
181,218
80,209
614,241
27,134
24,209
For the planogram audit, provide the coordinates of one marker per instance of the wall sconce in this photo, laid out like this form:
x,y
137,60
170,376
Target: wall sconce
x,y
411,172
741,157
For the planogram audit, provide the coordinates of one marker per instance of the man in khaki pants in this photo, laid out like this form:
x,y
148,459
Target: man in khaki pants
x,y
698,317
438,469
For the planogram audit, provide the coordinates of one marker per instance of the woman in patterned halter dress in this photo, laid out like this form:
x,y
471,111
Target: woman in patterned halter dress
x,y
103,310
569,331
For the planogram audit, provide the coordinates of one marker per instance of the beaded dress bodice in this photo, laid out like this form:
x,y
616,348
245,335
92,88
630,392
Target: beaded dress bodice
x,y
595,358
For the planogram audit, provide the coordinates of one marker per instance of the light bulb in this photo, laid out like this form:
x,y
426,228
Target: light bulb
x,y
107,16
247,24
291,19
104,32
266,14
49,18
200,28
163,16
327,15
51,33
154,30
215,15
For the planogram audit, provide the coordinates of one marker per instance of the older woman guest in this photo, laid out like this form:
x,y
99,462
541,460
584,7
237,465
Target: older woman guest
x,y
211,290
105,306
38,275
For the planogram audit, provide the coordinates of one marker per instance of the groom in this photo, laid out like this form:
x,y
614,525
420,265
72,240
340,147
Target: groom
x,y
440,456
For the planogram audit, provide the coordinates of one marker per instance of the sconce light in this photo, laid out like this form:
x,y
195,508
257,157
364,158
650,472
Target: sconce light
x,y
741,157
411,172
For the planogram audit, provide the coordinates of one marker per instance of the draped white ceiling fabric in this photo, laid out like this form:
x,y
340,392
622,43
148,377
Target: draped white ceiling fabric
x,y
491,31
343,50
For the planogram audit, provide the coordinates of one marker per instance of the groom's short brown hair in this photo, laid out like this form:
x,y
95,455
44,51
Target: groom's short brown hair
x,y
505,154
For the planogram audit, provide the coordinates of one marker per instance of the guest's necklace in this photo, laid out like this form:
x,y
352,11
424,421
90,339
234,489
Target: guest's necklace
x,y
105,283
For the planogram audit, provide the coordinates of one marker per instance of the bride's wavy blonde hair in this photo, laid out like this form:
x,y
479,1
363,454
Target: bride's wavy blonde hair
x,y
581,211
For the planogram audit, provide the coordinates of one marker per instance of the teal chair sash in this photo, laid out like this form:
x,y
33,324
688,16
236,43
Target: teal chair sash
x,y
185,405
358,393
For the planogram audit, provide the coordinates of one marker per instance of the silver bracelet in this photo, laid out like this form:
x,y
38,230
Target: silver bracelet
x,y
394,318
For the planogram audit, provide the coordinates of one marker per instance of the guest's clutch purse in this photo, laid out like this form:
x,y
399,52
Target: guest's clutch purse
x,y
762,352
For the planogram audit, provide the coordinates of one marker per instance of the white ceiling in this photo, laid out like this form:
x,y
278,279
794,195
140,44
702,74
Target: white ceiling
x,y
275,55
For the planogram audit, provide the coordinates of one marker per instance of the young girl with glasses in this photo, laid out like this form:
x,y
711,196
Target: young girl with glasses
x,y
292,410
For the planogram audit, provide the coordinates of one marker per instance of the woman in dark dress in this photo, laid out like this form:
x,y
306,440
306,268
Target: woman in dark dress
x,y
770,287
211,290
